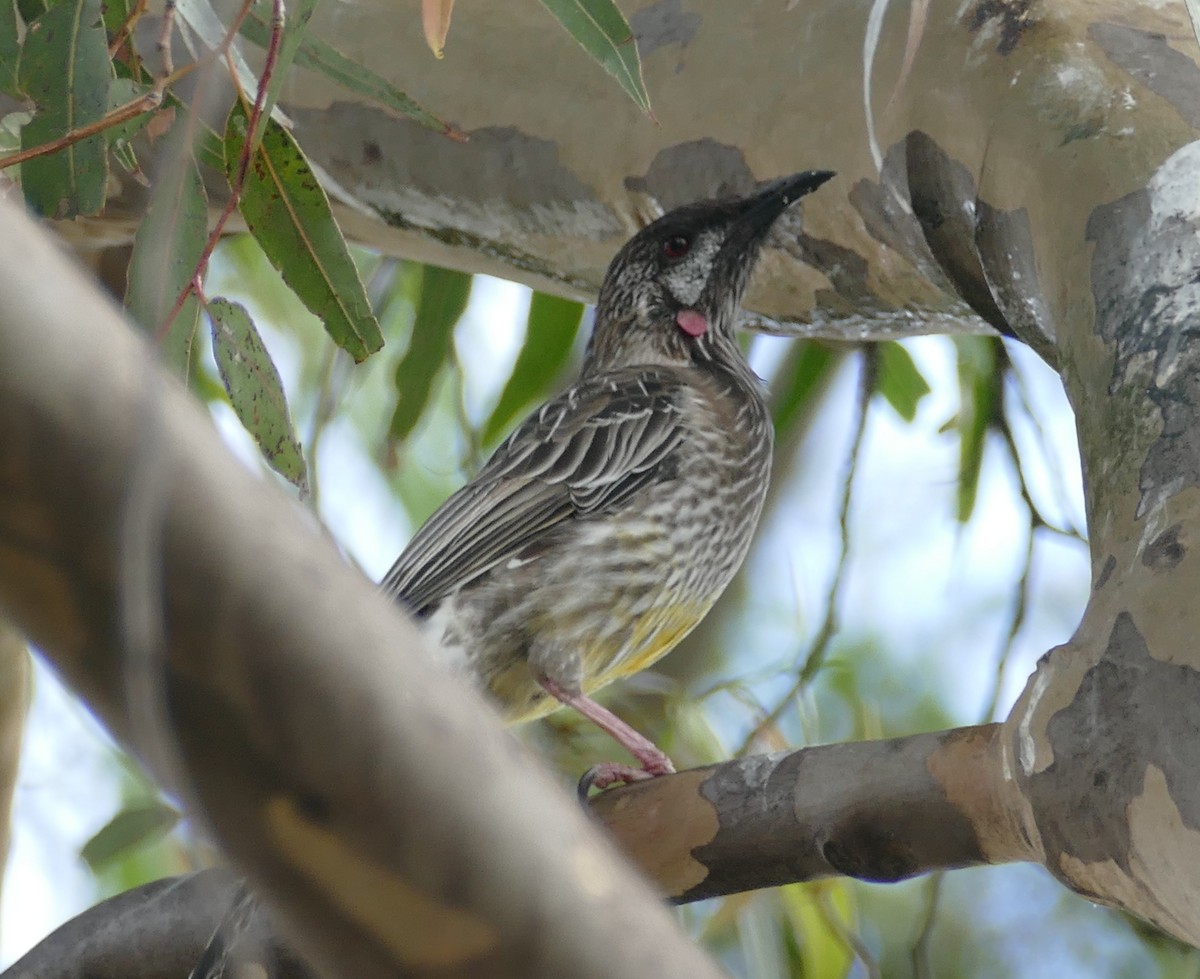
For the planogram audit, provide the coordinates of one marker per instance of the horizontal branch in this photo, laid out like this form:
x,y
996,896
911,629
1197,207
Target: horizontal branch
x,y
875,810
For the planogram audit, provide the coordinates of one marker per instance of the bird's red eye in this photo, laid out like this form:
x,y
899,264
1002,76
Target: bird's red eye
x,y
676,247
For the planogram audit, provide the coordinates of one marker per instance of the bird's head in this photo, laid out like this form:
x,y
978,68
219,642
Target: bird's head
x,y
672,292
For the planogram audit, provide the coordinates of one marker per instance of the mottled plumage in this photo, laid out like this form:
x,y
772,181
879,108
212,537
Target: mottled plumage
x,y
601,532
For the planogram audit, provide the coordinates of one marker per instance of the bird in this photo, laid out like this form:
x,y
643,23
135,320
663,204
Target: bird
x,y
603,529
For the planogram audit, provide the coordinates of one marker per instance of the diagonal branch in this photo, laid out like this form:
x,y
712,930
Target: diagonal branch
x,y
375,803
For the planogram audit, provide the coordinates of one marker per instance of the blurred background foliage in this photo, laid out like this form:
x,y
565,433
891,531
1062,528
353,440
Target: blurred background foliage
x,y
921,548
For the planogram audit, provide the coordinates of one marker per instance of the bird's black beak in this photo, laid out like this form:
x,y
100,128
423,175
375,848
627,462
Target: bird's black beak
x,y
760,209
753,217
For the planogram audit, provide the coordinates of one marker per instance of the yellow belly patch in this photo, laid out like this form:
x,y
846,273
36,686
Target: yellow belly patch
x,y
658,632
654,636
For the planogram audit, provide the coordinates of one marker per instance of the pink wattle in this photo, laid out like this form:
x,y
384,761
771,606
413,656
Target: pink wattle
x,y
692,322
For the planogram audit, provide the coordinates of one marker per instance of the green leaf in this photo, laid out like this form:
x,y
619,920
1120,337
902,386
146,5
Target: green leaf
x,y
10,49
65,71
606,35
442,301
899,381
255,390
549,335
316,55
166,251
121,92
799,385
128,830
979,393
289,215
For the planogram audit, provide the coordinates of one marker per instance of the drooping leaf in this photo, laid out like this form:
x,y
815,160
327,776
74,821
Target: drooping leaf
x,y
127,830
166,250
289,215
255,390
10,49
899,381
317,55
550,332
443,299
435,18
64,69
979,397
605,34
800,382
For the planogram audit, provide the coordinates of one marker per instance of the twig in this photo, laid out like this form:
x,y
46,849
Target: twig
x,y
164,40
143,103
248,148
820,645
848,935
126,29
921,961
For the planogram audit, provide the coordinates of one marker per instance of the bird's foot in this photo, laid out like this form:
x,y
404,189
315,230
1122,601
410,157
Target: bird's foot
x,y
608,773
652,759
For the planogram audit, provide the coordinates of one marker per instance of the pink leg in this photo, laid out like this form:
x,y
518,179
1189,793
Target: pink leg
x,y
653,760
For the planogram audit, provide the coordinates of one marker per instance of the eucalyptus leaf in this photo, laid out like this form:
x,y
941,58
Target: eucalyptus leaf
x,y
288,213
443,299
255,389
65,70
129,829
550,332
800,382
317,55
166,252
899,381
121,92
10,49
605,34
979,396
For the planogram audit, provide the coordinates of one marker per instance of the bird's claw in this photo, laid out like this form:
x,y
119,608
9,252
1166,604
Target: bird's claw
x,y
608,773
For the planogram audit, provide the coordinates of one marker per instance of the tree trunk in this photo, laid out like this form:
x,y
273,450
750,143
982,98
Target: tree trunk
x,y
1028,168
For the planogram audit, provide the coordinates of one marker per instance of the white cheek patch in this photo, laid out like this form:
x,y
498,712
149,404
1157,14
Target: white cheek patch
x,y
686,280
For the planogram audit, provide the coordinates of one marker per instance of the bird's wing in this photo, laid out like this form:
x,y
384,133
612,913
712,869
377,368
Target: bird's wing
x,y
585,452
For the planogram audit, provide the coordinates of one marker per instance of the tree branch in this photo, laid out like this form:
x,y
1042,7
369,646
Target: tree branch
x,y
377,805
875,810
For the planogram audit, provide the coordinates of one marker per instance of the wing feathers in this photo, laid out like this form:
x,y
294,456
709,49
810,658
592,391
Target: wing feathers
x,y
587,451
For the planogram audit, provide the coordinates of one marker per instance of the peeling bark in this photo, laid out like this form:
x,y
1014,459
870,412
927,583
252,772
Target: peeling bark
x,y
1035,173
874,810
